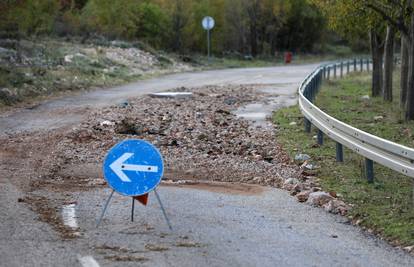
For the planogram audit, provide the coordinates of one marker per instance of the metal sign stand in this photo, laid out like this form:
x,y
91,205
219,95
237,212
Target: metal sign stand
x,y
133,209
208,44
162,209
208,24
104,210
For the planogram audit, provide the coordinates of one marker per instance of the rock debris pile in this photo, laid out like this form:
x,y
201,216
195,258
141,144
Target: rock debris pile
x,y
199,137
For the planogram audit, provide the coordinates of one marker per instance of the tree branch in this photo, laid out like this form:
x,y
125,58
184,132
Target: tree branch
x,y
399,24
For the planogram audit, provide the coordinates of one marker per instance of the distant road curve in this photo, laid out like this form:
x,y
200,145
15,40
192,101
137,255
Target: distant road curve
x,y
70,110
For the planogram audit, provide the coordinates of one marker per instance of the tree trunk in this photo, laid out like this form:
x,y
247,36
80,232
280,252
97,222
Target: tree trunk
x,y
404,70
388,64
409,106
253,38
377,52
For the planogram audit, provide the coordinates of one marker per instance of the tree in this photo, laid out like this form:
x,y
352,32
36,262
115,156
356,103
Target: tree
x,y
350,18
152,24
377,51
404,71
399,14
32,17
388,64
104,16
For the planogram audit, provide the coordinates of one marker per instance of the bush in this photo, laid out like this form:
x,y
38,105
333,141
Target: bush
x,y
152,24
115,19
34,16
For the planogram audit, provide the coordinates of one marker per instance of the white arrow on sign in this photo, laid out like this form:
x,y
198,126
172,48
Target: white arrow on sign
x,y
118,166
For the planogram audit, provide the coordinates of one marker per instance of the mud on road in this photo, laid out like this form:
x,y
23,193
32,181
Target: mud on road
x,y
199,137
205,147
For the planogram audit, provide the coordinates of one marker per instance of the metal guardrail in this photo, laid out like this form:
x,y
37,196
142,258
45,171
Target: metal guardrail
x,y
392,155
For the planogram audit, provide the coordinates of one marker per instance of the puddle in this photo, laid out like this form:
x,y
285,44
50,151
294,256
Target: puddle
x,y
259,113
69,216
172,95
218,187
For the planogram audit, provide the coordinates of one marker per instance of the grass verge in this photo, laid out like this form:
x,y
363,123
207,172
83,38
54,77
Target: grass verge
x,y
385,207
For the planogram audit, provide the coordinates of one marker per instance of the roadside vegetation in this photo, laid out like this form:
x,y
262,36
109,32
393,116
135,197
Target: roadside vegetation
x,y
384,207
31,69
55,47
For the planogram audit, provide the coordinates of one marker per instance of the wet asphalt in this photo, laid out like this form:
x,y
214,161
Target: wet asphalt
x,y
268,228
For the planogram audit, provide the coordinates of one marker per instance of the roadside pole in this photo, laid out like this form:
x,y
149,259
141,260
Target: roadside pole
x,y
208,24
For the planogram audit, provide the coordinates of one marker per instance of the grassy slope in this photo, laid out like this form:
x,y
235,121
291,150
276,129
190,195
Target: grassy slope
x,y
385,207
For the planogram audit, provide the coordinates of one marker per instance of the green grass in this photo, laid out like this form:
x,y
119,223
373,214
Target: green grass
x,y
386,206
263,61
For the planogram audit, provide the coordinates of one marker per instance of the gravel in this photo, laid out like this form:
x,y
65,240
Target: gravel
x,y
199,137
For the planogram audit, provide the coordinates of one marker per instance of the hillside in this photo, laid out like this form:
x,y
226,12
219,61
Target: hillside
x,y
35,68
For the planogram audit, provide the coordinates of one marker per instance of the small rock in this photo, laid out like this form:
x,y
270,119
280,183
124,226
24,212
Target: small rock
x,y
107,123
303,196
291,181
310,166
230,101
319,198
290,184
293,123
409,248
333,193
257,179
302,157
69,58
378,118
365,97
336,206
297,188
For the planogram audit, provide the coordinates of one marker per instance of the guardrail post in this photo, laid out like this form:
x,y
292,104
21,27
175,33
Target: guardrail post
x,y
367,64
335,71
347,67
312,90
361,62
320,137
369,170
307,125
339,152
329,73
342,69
320,80
355,64
324,72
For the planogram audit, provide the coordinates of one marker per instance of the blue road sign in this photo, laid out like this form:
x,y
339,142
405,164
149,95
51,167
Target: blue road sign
x,y
133,167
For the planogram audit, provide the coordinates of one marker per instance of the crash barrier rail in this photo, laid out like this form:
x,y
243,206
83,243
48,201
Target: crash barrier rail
x,y
392,155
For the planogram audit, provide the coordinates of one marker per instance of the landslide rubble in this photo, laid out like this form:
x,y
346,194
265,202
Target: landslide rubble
x,y
199,137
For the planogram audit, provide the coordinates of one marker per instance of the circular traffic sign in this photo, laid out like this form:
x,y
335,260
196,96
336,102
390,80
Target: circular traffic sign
x,y
208,23
133,167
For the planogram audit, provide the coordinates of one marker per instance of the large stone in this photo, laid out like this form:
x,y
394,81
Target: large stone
x,y
302,157
378,118
290,184
319,198
303,196
336,206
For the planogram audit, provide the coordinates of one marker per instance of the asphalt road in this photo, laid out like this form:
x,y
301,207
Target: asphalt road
x,y
70,110
213,225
